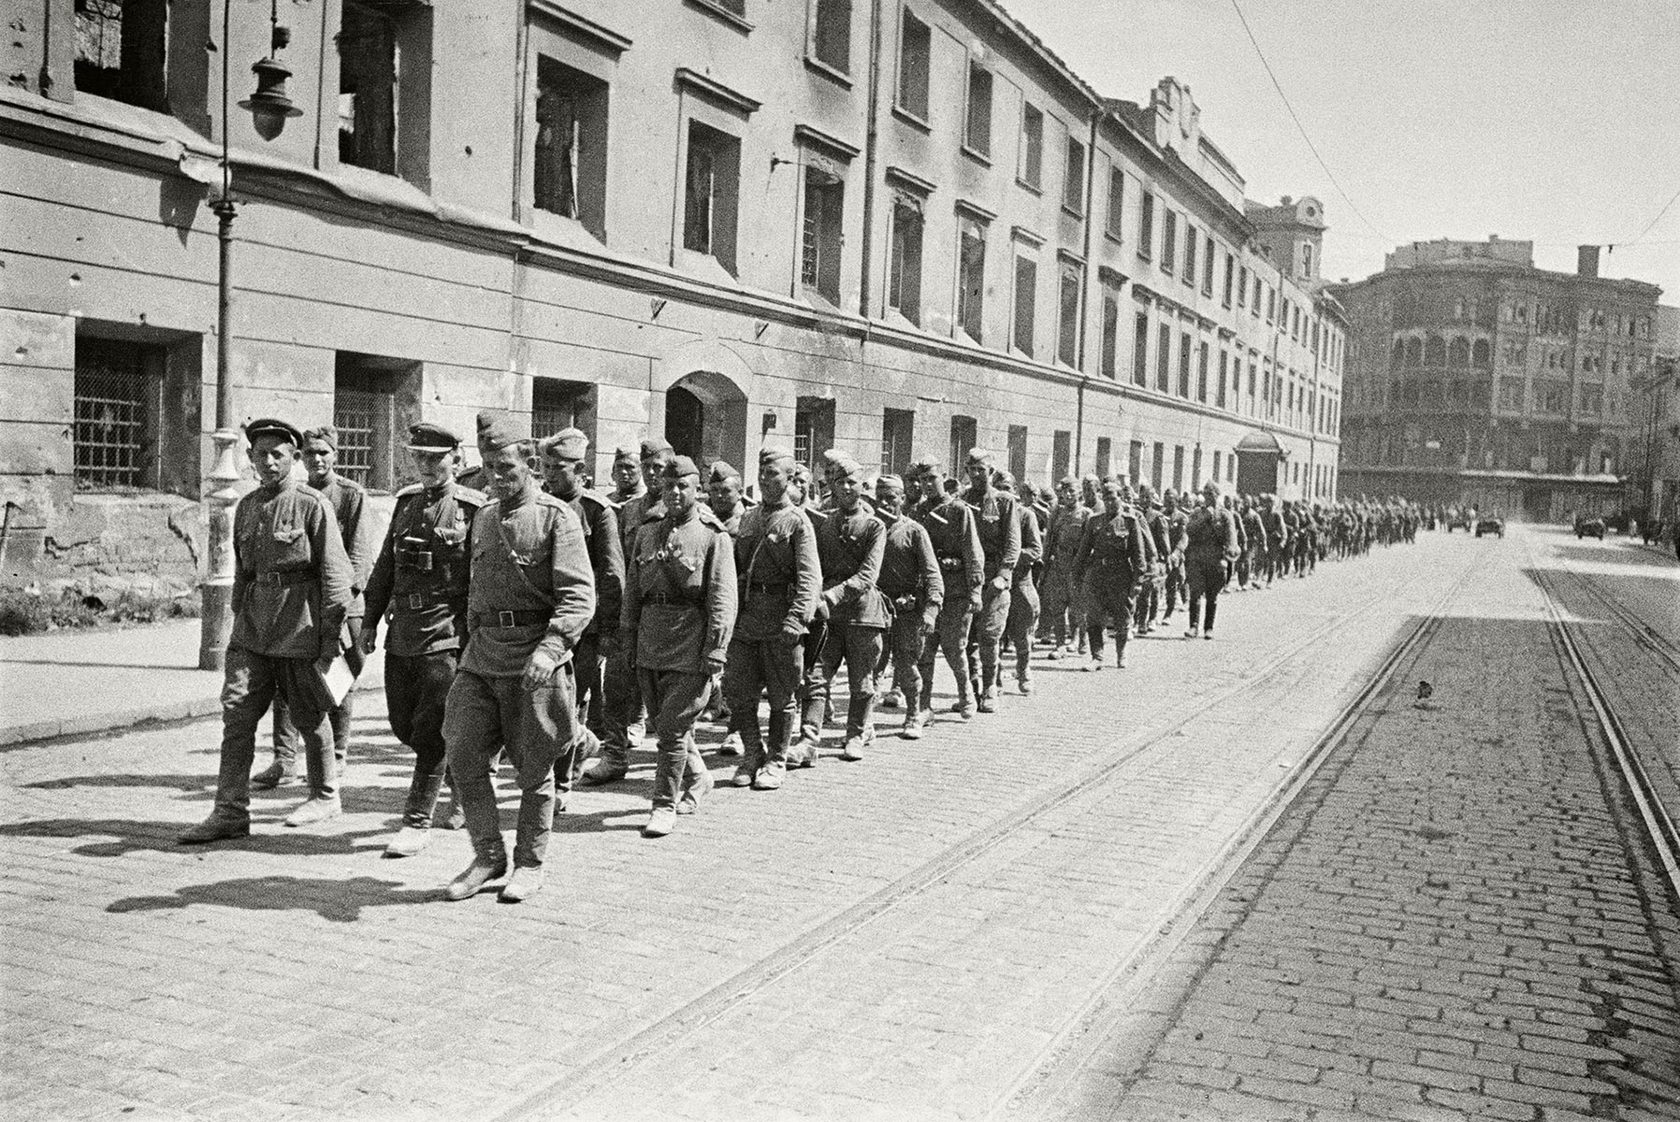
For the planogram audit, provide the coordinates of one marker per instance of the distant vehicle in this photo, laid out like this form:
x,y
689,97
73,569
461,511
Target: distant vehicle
x,y
1589,526
1460,519
1490,524
1619,520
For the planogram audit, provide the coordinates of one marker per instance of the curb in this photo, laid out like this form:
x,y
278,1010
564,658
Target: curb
x,y
14,736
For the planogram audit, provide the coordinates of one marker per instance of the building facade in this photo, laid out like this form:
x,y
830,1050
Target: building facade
x,y
889,228
1477,378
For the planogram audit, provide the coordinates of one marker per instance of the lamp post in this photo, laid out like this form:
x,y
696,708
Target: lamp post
x,y
269,108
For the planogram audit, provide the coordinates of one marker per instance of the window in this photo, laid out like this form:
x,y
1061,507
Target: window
x,y
1511,393
1111,328
1184,364
366,391
569,175
898,432
904,279
1201,372
1163,359
1196,468
1017,448
1207,266
118,394
979,132
1253,375
1067,333
1306,260
820,232
711,192
1134,462
384,67
1554,397
1219,397
1230,272
1116,203
964,437
1189,255
813,428
1061,455
971,276
557,404
1146,225
1271,304
1105,456
1592,399
1140,349
1178,467
1026,293
1254,308
1216,475
121,51
831,33
1073,186
1032,146
915,55
1242,286
1169,240
1157,465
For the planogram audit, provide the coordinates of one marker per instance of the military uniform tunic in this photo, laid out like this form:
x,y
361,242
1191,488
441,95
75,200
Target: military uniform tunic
x,y
1063,607
1024,604
599,520
915,590
1111,561
950,525
622,712
997,520
849,548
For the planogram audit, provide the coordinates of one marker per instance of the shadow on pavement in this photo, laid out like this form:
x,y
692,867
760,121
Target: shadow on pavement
x,y
134,836
339,901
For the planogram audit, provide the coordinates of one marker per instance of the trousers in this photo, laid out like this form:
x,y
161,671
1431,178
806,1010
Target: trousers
x,y
623,715
985,635
416,690
250,684
755,667
1064,614
909,633
1022,622
860,648
1109,601
950,634
285,731
539,727
674,700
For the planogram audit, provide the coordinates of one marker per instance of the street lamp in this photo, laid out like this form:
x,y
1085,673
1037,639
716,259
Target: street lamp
x,y
270,108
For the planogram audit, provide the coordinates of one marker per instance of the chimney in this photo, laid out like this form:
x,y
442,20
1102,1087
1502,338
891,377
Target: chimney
x,y
1586,261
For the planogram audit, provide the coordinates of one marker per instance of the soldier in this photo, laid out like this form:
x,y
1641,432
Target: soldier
x,y
1063,610
850,543
624,713
1024,605
1175,516
999,527
530,596
950,526
1156,544
1254,532
565,460
1277,539
803,752
779,576
1110,563
679,611
723,495
914,590
1236,567
421,578
346,497
1210,547
291,589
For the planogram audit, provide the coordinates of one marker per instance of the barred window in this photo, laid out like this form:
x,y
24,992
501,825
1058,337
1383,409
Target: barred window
x,y
374,398
116,394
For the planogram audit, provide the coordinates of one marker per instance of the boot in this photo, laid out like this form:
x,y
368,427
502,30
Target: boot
x,y
217,827
661,822
526,879
731,745
485,868
894,699
409,841
276,774
770,776
914,723
604,769
315,809
860,726
697,781
988,700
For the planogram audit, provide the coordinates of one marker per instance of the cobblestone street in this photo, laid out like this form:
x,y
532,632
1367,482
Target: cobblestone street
x,y
915,935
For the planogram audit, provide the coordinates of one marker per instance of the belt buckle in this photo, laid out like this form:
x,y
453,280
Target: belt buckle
x,y
270,577
415,602
504,619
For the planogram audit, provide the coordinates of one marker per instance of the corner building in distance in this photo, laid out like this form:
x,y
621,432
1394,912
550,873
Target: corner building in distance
x,y
1479,379
727,222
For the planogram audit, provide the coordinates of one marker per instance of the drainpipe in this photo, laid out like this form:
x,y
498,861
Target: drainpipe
x,y
870,138
1085,294
521,81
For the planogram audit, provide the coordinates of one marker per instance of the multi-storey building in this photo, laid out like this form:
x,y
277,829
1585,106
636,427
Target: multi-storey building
x,y
888,227
1478,378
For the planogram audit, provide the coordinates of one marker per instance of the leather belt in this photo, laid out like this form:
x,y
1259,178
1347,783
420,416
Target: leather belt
x,y
293,576
420,559
951,563
669,601
419,601
760,586
512,619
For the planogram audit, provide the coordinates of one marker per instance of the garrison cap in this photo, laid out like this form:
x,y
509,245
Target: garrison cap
x,y
844,463
722,472
326,433
570,444
979,456
890,480
925,463
428,437
771,455
1067,480
496,431
654,449
677,467
273,426
624,456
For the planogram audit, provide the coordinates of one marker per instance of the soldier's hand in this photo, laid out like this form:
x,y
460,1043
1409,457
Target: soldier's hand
x,y
1001,582
793,634
974,600
540,668
370,638
714,666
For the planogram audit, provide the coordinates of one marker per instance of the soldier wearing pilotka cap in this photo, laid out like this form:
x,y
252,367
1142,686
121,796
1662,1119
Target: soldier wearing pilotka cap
x,y
950,526
291,589
679,610
530,596
996,522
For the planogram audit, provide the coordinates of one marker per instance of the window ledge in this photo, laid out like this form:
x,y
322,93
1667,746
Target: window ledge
x,y
722,14
976,155
1073,212
1143,255
1029,185
828,70
1115,238
911,118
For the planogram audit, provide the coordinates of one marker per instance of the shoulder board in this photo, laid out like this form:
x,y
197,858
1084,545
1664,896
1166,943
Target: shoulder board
x,y
748,502
709,517
471,497
546,499
352,486
411,489
593,499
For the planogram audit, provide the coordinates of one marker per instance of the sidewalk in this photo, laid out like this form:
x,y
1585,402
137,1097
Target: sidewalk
x,y
71,682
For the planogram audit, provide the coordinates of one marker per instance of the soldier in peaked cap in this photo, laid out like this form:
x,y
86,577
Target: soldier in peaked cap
x,y
565,464
999,527
950,526
530,595
291,589
779,581
420,577
679,610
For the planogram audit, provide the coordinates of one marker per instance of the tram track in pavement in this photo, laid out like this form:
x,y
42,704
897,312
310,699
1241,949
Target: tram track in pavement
x,y
1663,650
1044,1092
607,1066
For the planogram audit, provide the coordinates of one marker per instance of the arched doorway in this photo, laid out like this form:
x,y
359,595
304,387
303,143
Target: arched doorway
x,y
1258,457
706,419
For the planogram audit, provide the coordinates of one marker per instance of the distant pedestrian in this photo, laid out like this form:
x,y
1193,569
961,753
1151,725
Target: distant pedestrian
x,y
1210,548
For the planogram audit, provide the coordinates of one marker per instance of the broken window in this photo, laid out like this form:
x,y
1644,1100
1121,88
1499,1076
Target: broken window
x,y
711,192
122,51
570,167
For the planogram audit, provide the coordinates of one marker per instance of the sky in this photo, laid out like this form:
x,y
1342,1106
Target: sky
x,y
1556,121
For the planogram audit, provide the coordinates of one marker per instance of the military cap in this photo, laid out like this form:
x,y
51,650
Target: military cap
x,y
980,456
677,467
427,437
722,472
770,455
496,431
890,480
654,449
570,444
1004,481
927,462
835,460
273,426
624,455
326,433
1067,480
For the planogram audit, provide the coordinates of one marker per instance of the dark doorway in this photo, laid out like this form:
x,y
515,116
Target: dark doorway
x,y
1257,472
685,422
